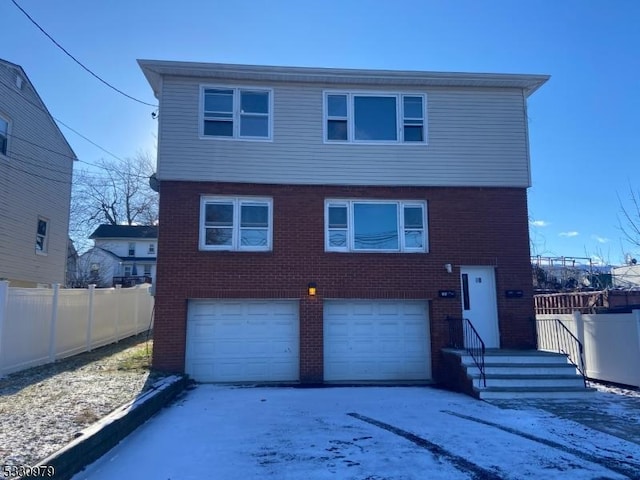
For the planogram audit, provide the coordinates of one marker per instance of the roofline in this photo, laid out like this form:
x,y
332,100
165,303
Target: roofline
x,y
155,69
42,104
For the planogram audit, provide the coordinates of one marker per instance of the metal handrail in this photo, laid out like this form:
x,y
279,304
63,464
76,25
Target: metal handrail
x,y
565,342
462,334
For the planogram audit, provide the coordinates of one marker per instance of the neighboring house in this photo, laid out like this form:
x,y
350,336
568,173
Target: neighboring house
x,y
321,225
627,276
122,255
36,164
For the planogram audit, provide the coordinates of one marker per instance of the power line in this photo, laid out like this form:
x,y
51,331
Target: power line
x,y
78,61
61,122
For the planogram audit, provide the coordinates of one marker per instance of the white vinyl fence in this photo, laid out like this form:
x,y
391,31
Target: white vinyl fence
x,y
41,325
611,344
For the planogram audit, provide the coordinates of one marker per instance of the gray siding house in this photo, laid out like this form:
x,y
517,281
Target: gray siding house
x,y
36,164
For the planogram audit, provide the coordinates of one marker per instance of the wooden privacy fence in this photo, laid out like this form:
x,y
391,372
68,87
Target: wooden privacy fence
x,y
611,343
41,325
585,302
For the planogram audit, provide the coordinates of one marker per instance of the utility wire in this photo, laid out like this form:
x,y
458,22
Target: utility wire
x,y
78,61
61,122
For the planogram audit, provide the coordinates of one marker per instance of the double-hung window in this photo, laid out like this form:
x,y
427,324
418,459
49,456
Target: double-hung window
x,y
236,223
42,236
244,113
374,117
4,135
375,226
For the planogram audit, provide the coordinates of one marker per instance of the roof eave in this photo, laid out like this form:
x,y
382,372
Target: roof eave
x,y
154,70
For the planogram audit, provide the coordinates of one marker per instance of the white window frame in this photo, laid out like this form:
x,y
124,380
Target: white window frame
x,y
45,237
400,117
237,114
6,135
152,249
350,244
131,246
235,239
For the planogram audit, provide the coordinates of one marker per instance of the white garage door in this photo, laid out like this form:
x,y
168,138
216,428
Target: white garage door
x,y
376,340
242,341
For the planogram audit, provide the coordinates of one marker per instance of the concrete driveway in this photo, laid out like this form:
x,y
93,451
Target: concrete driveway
x,y
362,433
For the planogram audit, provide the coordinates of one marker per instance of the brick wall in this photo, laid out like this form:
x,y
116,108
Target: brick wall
x,y
467,226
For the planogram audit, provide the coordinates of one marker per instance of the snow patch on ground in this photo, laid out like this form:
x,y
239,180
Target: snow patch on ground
x,y
230,432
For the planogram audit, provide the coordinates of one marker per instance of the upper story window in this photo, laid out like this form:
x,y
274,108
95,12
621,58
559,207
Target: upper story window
x,y
42,236
244,113
374,117
132,249
152,249
4,135
375,226
236,223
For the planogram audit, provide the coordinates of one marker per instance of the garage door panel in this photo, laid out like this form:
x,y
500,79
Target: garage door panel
x,y
376,340
235,341
388,309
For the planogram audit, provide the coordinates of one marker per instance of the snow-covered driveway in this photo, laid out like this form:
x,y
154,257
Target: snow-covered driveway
x,y
361,433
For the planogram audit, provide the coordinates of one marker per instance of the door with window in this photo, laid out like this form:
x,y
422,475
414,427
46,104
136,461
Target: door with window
x,y
479,303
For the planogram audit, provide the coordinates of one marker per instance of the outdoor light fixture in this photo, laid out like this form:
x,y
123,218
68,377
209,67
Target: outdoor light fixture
x,y
448,267
311,289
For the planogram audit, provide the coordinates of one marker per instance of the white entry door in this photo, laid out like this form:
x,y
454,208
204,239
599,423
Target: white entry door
x,y
479,302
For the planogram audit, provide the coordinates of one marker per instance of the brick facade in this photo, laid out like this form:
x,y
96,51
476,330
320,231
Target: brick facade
x,y
466,226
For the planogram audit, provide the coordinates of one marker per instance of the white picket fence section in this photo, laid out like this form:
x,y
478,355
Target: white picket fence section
x,y
611,344
42,325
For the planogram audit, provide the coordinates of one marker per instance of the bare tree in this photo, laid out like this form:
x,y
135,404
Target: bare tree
x,y
630,223
116,194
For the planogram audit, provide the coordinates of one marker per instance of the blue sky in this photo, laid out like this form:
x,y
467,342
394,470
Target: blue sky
x,y
584,127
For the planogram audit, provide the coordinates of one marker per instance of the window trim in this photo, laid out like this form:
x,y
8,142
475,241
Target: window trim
x,y
130,249
401,205
236,114
235,228
8,135
400,117
45,241
151,249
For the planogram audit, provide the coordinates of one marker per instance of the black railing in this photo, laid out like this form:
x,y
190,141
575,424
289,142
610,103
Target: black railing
x,y
553,335
131,280
463,335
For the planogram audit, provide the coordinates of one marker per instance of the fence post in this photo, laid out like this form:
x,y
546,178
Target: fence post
x,y
136,309
54,322
577,317
4,301
90,315
117,319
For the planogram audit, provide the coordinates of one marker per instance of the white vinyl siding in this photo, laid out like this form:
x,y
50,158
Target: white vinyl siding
x,y
33,182
477,137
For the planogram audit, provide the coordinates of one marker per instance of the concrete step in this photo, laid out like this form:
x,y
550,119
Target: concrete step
x,y
524,369
492,358
508,393
523,381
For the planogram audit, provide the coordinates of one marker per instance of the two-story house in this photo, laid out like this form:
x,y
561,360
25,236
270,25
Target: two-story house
x,y
122,255
321,225
36,165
